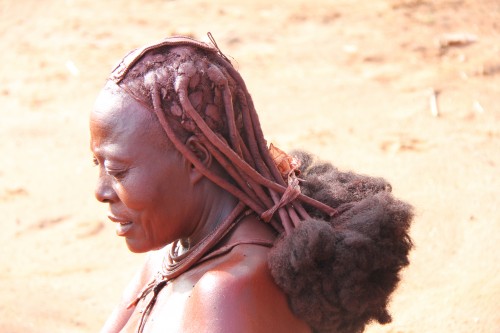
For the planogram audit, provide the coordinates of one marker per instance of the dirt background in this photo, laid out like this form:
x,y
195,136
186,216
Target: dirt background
x,y
351,81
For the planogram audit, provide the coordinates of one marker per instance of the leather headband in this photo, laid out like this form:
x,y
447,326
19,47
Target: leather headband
x,y
134,56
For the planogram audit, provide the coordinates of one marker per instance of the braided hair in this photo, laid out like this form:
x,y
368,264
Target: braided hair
x,y
343,238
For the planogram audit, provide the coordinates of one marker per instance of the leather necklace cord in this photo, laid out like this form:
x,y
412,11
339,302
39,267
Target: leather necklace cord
x,y
157,286
178,266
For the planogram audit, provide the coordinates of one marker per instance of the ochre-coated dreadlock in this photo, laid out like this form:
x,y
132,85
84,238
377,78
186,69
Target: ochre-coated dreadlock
x,y
194,90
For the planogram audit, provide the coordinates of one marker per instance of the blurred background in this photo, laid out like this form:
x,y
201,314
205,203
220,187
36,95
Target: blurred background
x,y
408,90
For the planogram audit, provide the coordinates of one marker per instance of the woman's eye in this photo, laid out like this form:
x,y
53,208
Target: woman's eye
x,y
117,174
95,161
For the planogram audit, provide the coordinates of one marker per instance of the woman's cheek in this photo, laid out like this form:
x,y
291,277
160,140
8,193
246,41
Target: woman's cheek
x,y
135,195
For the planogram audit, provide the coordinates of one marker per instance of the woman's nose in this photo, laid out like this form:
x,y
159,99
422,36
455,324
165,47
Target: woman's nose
x,y
104,191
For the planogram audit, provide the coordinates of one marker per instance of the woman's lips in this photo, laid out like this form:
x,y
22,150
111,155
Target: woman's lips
x,y
123,226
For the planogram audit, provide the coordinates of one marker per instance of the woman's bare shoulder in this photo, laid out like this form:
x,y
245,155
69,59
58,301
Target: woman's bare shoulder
x,y
237,294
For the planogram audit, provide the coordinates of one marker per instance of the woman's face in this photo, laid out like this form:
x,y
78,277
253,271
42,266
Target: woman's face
x,y
144,180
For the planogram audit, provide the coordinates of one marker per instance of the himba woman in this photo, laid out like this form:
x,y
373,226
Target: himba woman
x,y
241,236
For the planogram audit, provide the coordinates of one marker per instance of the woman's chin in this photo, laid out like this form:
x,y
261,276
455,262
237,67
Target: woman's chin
x,y
136,247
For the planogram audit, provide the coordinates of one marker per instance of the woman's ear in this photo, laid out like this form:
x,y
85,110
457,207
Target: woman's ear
x,y
203,155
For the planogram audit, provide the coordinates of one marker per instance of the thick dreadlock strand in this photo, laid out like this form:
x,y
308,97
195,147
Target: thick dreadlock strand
x,y
182,82
257,143
218,78
246,154
252,141
257,195
255,127
247,125
260,165
193,159
238,143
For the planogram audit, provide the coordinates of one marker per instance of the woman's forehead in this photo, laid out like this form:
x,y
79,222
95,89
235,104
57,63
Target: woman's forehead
x,y
119,120
114,101
111,96
119,112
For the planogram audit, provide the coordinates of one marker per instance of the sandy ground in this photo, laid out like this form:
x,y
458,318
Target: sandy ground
x,y
349,80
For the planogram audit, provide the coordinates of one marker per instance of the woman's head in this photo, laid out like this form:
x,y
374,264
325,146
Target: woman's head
x,y
157,97
152,191
195,91
196,103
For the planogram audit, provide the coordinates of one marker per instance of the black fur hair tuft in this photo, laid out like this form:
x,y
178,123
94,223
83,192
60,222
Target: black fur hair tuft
x,y
339,272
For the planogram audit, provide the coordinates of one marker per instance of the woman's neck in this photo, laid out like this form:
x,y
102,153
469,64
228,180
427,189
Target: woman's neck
x,y
217,206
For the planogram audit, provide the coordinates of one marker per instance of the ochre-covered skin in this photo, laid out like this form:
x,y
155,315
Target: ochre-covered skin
x,y
231,293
